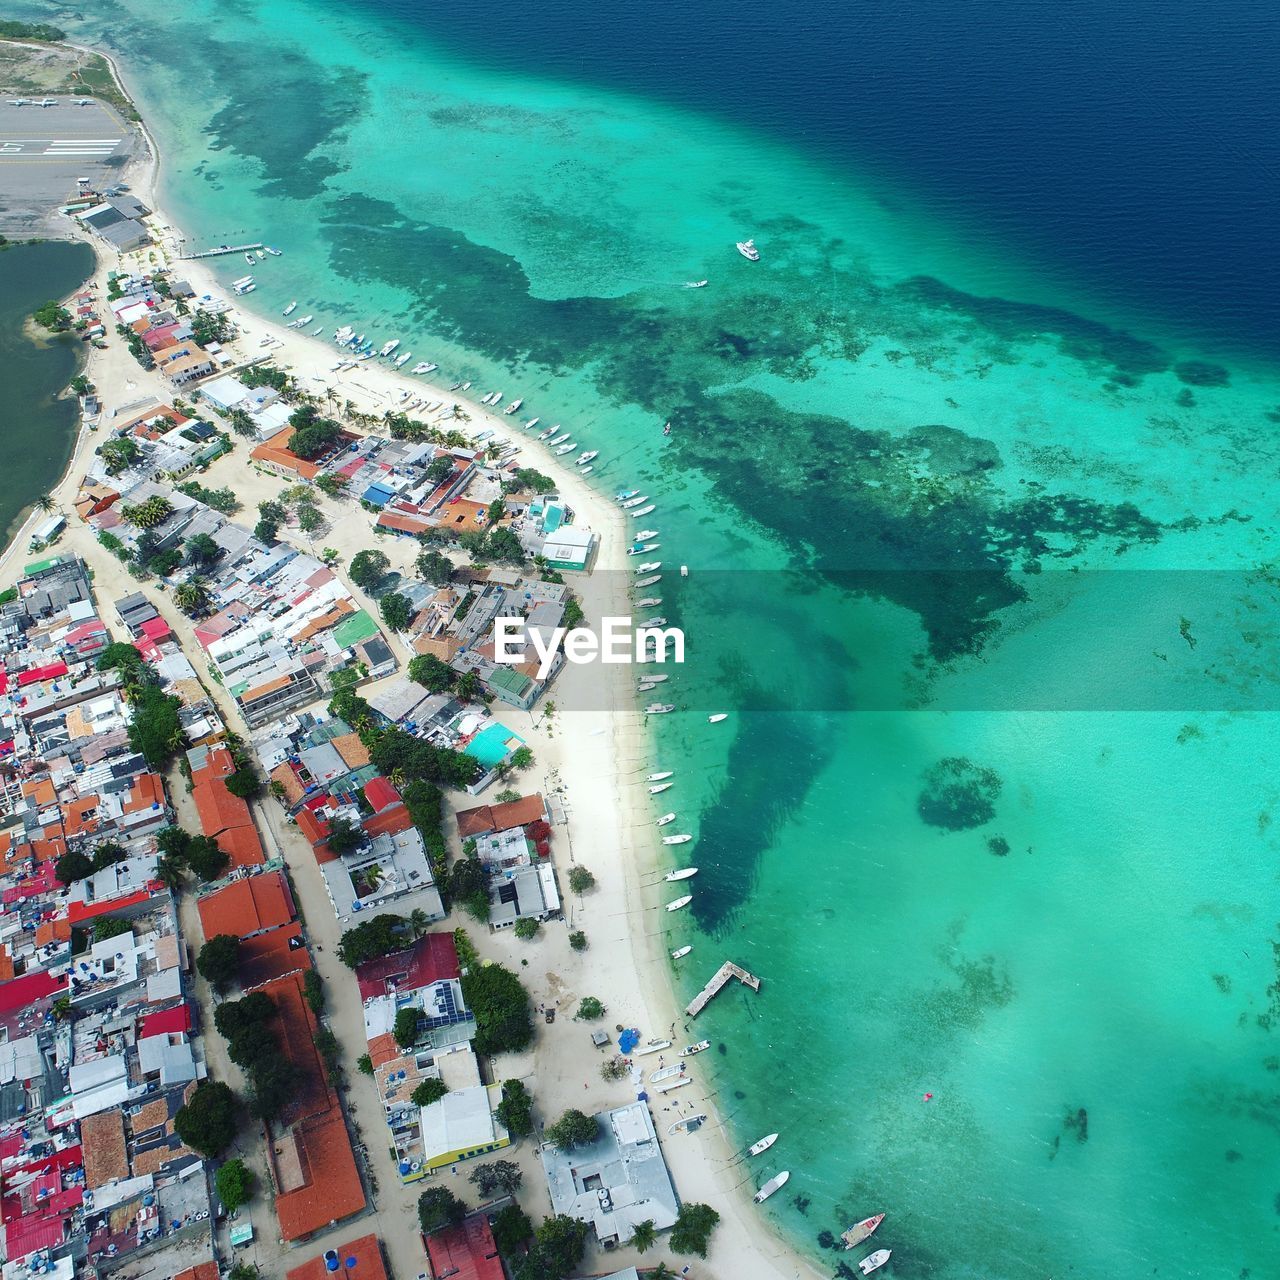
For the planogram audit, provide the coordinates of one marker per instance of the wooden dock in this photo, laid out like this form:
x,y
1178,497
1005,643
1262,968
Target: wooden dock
x,y
218,253
724,975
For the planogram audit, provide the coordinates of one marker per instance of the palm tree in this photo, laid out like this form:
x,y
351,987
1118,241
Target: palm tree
x,y
45,503
643,1235
418,922
170,872
660,1272
192,597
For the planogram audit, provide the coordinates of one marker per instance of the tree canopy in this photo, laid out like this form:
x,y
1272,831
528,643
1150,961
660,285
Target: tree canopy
x,y
154,728
405,1028
378,936
368,568
574,1129
438,1207
234,1181
692,1232
397,610
515,1111
434,567
207,1122
219,960
432,673
429,1091
501,1007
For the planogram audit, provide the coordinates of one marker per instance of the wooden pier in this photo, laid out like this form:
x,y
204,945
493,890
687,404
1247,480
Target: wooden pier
x,y
218,253
724,975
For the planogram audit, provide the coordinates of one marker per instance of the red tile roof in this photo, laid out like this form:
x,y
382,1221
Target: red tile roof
x,y
432,958
367,1252
166,1021
247,906
201,1271
466,1251
267,956
381,794
219,810
332,1189
500,817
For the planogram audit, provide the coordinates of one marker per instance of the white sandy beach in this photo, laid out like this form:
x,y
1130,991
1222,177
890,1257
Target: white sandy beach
x,y
590,761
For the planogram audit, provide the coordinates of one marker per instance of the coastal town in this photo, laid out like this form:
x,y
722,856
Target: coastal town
x,y
330,941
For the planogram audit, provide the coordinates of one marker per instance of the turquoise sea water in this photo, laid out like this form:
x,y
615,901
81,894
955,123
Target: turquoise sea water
x,y
36,428
980,564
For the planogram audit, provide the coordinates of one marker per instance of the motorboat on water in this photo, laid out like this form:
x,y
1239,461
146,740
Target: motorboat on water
x,y
680,952
319,329
641,547
513,406
250,259
652,1046
776,1183
649,581
748,250
665,819
401,361
680,839
756,1148
635,502
695,284
690,1124
466,386
860,1231
719,715
684,570
567,447
422,366
662,786
388,347
586,471
625,495
584,458
685,873
874,1261
658,621
550,431
533,422
644,511
680,902
661,777
291,308
560,439
659,708
646,686
275,253
645,534
690,1049
650,566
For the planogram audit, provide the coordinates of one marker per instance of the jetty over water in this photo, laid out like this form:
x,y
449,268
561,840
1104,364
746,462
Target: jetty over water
x,y
724,975
224,249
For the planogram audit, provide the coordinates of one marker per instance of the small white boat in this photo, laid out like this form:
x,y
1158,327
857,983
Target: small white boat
x,y
776,1183
291,308
658,621
748,250
466,386
420,367
690,1049
634,502
568,447
685,873
684,570
645,534
584,458
317,330
641,547
665,819
560,439
550,431
680,839
695,284
431,368
250,259
649,581
874,1261
661,777
680,952
275,253
625,495
513,406
649,566
680,902
762,1145
586,471
674,1084
659,708
401,361
689,1124
533,422
644,511
719,715
662,786
667,1073
652,1046
646,686
653,679
389,347
306,320
860,1231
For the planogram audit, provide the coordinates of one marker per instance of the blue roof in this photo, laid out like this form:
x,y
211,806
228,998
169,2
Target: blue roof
x,y
376,493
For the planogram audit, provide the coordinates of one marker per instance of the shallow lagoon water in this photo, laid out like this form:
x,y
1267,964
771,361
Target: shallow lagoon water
x,y
969,542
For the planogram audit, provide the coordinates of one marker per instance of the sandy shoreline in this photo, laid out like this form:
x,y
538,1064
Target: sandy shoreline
x,y
591,761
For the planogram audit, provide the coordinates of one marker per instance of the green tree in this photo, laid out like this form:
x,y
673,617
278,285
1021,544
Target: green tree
x,y
170,871
242,423
105,927
207,1122
504,1023
511,1228
405,1028
429,1091
201,551
193,597
52,316
643,1236
344,836
527,480
496,1175
580,879
316,439
313,991
378,936
396,610
368,568
431,673
439,1207
244,782
578,940
469,687
526,928
574,1129
331,484
439,467
219,960
364,1064
266,531
589,1008
469,885
521,758
692,1232
234,1181
154,727
515,1110
72,866
119,454
433,567
561,1243
309,519
205,858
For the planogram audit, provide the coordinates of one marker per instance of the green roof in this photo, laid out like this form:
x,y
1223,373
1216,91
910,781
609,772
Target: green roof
x,y
39,566
511,680
359,626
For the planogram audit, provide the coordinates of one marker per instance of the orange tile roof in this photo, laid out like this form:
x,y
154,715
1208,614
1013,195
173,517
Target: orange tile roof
x,y
499,817
267,956
242,846
201,1271
353,752
145,791
331,1190
218,763
105,1157
247,906
382,1049
78,816
276,450
40,790
6,964
390,822
219,810
261,690
324,621
53,931
293,789
367,1251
